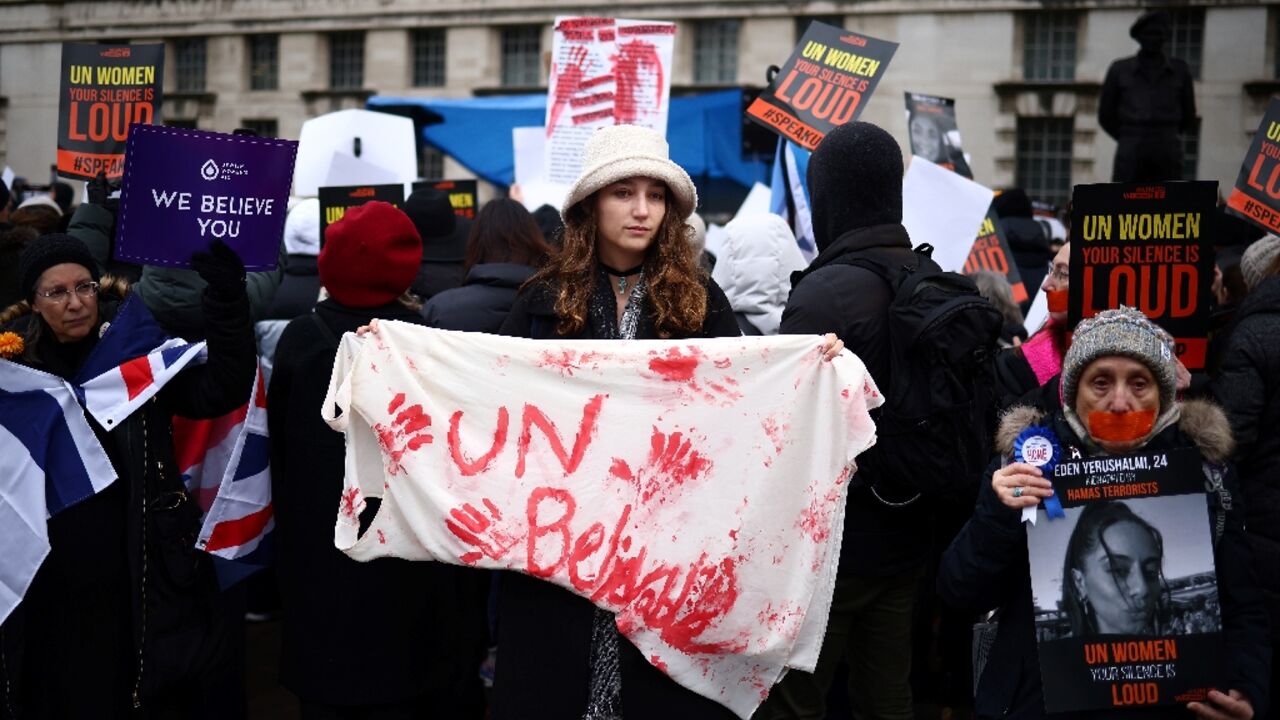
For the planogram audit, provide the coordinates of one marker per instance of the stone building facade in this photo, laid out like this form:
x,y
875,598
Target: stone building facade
x,y
1026,74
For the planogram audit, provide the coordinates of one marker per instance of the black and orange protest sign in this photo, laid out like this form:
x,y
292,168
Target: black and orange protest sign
x,y
1256,195
1124,585
462,194
1149,247
336,201
824,84
991,252
104,89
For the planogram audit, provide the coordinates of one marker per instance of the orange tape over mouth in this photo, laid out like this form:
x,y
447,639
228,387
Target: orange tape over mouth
x,y
1121,427
1057,300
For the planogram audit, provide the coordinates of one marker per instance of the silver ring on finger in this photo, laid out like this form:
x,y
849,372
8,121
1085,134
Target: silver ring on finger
x,y
1017,492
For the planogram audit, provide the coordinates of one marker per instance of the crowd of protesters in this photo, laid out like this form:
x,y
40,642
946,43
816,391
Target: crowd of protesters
x,y
126,619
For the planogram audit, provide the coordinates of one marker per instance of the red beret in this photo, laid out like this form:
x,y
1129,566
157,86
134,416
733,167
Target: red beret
x,y
370,256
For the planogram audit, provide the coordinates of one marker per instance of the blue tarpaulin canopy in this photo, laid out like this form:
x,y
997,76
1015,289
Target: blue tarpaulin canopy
x,y
704,131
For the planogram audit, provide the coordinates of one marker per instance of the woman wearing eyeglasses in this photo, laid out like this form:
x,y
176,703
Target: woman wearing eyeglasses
x,y
122,615
1025,369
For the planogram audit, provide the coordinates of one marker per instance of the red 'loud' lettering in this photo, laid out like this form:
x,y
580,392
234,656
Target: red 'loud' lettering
x,y
1135,694
107,120
1157,290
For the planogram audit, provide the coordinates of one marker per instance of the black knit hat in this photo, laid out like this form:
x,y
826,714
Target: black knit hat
x,y
855,181
444,234
46,251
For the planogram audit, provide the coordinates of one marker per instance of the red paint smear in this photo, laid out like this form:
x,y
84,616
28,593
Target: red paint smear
x,y
351,503
567,361
845,393
633,59
675,366
776,433
815,520
723,363
382,539
657,662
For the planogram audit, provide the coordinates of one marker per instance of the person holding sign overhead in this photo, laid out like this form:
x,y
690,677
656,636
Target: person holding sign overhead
x,y
1118,396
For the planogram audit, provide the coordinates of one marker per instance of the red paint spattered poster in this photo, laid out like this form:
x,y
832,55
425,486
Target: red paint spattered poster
x,y
604,71
696,489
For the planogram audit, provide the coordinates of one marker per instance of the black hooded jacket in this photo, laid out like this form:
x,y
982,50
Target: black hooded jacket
x,y
853,302
1248,387
483,301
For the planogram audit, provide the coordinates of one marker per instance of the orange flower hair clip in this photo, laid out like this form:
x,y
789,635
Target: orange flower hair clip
x,y
11,345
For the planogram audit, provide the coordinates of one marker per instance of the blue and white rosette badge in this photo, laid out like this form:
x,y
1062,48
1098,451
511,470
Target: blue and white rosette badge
x,y
1038,446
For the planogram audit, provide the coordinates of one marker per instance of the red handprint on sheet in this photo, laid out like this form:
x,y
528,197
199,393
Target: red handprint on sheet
x,y
481,531
672,462
566,79
407,432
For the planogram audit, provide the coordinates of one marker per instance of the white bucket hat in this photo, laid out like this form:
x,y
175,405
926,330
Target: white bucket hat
x,y
618,152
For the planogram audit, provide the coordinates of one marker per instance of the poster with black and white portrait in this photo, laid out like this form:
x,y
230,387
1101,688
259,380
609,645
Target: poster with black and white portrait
x,y
934,133
1124,587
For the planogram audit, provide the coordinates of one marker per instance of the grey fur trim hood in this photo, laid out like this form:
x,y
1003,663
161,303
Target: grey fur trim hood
x,y
1202,420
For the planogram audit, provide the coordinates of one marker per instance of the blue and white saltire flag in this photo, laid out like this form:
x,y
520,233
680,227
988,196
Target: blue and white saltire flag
x,y
50,459
789,194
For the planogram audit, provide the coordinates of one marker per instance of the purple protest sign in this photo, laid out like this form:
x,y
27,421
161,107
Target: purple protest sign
x,y
184,188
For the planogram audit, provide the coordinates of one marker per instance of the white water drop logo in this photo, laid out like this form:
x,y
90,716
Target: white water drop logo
x,y
209,170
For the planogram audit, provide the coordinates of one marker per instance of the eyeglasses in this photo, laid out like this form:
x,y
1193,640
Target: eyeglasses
x,y
1059,273
85,290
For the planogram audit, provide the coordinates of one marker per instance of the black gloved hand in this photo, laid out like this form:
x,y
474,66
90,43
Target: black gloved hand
x,y
222,269
99,189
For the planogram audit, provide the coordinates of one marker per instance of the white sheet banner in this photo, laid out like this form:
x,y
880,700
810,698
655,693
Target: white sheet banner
x,y
694,488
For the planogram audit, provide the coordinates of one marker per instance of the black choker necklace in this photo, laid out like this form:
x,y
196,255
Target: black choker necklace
x,y
622,275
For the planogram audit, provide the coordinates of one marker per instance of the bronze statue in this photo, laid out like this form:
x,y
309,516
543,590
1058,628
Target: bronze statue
x,y
1147,101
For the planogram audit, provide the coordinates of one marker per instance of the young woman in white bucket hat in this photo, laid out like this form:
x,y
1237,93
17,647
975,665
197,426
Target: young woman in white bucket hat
x,y
626,271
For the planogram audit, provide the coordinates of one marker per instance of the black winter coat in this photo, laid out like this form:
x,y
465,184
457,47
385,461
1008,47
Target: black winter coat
x,y
1030,246
853,302
1248,387
407,618
544,630
124,610
986,567
299,289
483,301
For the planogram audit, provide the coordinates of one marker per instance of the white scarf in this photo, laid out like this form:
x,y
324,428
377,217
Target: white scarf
x,y
695,488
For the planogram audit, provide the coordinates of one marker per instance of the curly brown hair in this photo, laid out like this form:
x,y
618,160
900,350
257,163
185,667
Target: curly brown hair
x,y
675,280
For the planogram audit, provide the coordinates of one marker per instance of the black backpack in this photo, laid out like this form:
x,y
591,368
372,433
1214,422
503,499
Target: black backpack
x,y
933,433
